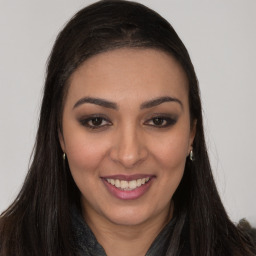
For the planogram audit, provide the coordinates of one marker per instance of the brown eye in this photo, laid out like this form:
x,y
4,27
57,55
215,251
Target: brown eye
x,y
161,121
95,122
158,121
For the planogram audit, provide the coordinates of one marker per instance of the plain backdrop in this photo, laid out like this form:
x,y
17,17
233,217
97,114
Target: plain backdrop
x,y
221,39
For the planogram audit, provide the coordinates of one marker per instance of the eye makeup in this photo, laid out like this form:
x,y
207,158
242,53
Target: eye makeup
x,y
95,121
161,120
99,121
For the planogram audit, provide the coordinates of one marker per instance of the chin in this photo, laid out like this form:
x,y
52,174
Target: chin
x,y
127,220
130,217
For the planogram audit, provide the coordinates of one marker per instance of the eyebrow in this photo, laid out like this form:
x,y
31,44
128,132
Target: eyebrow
x,y
158,101
96,101
112,105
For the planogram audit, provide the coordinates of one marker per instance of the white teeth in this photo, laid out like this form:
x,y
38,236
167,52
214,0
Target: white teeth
x,y
128,185
138,182
117,183
132,184
124,184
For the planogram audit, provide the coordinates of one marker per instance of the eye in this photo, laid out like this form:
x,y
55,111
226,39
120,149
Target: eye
x,y
161,121
95,122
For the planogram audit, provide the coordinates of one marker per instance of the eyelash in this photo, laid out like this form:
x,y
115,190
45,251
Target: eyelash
x,y
168,121
85,122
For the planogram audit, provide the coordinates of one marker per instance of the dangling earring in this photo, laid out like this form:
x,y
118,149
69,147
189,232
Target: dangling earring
x,y
191,155
64,156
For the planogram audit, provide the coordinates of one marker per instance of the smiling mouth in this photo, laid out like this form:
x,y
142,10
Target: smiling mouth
x,y
128,185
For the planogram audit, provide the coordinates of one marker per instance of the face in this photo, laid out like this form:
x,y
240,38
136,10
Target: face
x,y
127,133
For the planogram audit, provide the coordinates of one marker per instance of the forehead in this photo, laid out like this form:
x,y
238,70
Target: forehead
x,y
129,74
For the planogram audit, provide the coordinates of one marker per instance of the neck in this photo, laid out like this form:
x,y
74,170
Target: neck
x,y
127,240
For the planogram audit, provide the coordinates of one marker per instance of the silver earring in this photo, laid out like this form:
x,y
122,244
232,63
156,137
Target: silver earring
x,y
191,155
64,156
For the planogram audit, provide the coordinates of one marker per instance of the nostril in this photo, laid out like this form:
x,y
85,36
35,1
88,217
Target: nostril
x,y
128,159
127,148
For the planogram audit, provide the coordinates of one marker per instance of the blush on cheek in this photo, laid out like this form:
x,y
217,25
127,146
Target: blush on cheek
x,y
85,156
171,154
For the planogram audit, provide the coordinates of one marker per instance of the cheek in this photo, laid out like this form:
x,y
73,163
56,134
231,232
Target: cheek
x,y
172,151
84,152
170,155
171,158
84,159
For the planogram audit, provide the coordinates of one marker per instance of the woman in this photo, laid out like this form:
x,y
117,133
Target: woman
x,y
120,164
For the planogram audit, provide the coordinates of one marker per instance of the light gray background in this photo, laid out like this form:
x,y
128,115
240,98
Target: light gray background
x,y
221,38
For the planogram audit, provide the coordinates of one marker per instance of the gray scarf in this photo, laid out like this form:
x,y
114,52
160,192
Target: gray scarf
x,y
87,245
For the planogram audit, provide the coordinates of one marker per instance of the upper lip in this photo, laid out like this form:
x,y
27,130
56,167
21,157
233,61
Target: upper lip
x,y
128,177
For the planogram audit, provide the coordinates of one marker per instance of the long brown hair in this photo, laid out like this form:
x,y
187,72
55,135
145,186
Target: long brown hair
x,y
38,222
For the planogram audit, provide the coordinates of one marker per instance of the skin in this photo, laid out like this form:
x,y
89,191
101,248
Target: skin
x,y
127,140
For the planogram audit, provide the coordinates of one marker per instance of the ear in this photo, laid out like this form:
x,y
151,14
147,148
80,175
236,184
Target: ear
x,y
192,134
61,140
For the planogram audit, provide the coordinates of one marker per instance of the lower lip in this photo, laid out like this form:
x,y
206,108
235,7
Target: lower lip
x,y
128,194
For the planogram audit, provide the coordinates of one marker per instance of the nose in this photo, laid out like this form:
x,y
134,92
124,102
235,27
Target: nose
x,y
129,148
